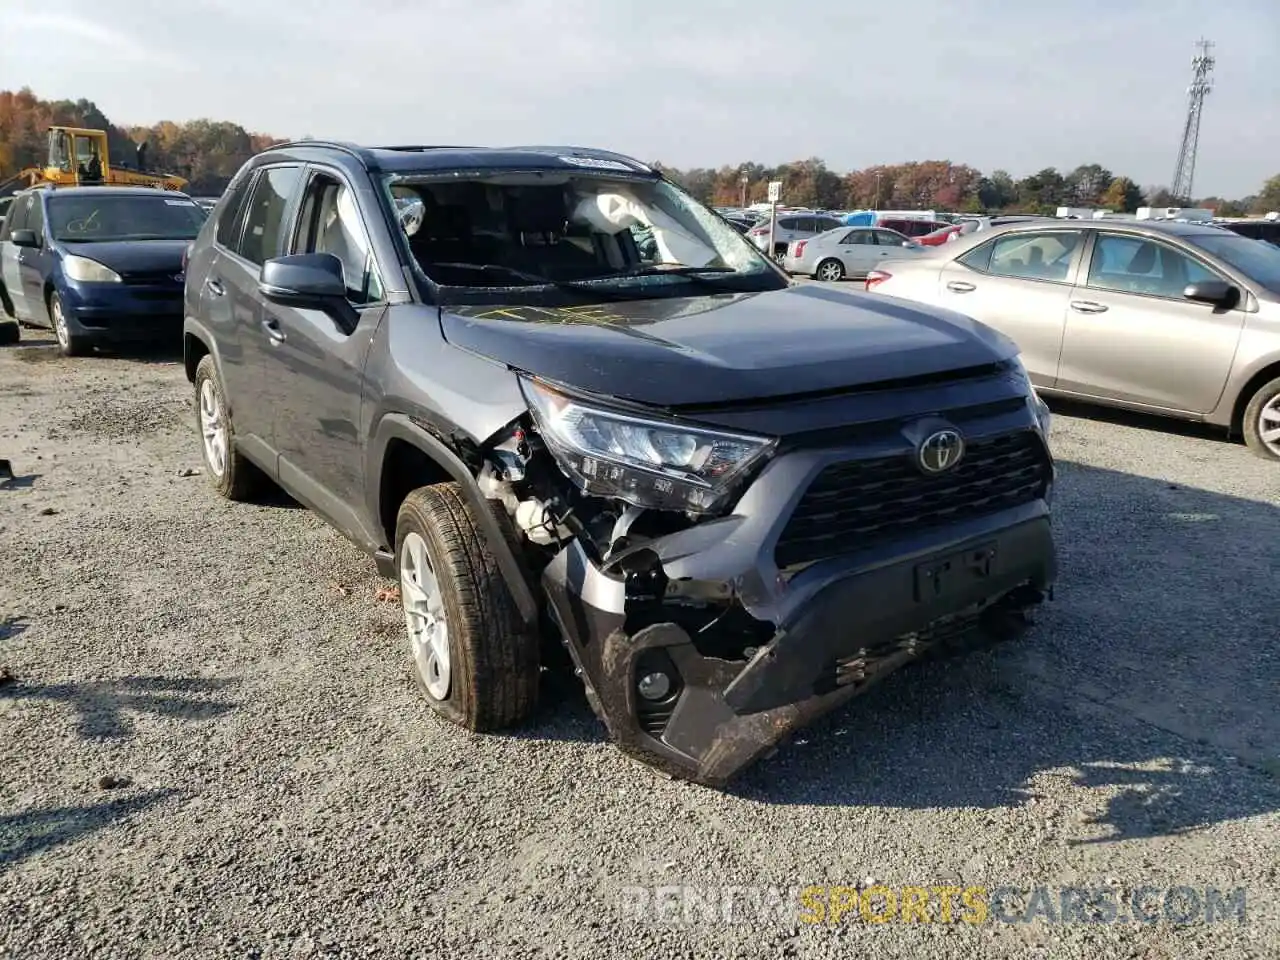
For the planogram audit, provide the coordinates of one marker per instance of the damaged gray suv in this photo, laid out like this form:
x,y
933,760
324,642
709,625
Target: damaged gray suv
x,y
555,396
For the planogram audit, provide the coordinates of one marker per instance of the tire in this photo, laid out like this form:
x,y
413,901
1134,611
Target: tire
x,y
234,477
1263,413
70,344
832,268
492,670
10,333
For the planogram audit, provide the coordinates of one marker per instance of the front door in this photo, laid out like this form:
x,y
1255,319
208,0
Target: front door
x,y
34,265
858,251
320,365
1132,337
1019,284
11,257
232,289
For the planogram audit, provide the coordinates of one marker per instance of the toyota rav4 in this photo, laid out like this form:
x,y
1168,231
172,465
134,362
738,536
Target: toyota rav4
x,y
555,396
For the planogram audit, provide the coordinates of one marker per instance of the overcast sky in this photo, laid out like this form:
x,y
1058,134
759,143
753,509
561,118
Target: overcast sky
x,y
991,83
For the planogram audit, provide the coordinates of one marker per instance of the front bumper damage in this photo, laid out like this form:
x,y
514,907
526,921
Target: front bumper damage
x,y
810,639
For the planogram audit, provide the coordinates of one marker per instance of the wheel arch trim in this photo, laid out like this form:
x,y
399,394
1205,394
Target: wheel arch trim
x,y
396,426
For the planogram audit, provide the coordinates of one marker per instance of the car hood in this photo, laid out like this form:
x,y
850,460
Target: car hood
x,y
132,256
727,348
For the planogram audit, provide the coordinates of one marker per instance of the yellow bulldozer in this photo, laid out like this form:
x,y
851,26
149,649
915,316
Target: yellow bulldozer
x,y
79,157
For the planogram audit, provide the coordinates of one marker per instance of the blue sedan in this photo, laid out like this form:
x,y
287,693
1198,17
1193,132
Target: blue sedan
x,y
97,264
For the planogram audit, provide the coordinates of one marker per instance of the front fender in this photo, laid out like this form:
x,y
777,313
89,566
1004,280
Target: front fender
x,y
397,426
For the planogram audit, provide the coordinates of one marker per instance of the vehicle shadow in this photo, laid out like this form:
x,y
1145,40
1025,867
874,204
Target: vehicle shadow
x,y
23,835
1150,680
1138,421
19,481
102,707
40,345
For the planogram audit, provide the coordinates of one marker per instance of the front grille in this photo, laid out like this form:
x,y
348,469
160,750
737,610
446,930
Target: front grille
x,y
858,503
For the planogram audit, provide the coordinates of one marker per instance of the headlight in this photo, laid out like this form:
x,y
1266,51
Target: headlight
x,y
84,270
649,463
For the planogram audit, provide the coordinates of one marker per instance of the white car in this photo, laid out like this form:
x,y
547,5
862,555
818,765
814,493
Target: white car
x,y
846,252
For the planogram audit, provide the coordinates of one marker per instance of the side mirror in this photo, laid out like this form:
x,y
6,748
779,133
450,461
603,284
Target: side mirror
x,y
309,281
25,238
1218,292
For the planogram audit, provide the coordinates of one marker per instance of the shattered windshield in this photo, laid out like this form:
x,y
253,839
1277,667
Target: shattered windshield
x,y
550,237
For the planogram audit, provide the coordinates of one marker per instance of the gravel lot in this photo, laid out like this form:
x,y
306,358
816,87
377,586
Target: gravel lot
x,y
281,791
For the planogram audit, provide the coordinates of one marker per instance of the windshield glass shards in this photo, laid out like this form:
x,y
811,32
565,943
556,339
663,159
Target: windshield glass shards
x,y
540,238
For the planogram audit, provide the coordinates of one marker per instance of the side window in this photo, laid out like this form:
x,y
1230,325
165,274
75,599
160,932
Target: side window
x,y
979,258
789,223
826,224
17,218
35,218
228,233
887,238
331,223
260,240
1137,265
859,237
1034,256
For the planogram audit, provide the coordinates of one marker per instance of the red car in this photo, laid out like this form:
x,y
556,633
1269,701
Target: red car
x,y
941,235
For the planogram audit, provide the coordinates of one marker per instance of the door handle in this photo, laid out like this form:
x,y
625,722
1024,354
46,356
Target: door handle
x,y
960,286
214,287
272,326
1088,306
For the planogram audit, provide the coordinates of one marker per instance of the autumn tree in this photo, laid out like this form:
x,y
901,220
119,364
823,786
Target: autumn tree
x,y
1122,195
1269,199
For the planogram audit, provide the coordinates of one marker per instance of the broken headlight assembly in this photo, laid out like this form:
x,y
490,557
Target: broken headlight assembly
x,y
647,462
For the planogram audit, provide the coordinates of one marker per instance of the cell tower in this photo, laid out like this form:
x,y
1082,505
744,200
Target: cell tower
x,y
1201,67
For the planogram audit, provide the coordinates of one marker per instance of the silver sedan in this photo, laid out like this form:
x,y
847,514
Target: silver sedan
x,y
846,252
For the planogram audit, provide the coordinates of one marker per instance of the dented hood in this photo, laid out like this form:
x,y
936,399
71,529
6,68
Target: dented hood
x,y
726,348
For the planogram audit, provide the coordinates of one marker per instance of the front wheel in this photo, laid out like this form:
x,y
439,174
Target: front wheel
x,y
1262,421
474,657
10,333
70,343
233,476
830,271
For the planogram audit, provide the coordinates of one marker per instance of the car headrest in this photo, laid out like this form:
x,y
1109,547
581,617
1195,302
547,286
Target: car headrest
x,y
1144,259
537,210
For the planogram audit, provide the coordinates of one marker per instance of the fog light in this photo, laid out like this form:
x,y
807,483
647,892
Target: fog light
x,y
654,686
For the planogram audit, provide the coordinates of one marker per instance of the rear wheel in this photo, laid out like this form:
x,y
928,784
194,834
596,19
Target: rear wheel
x,y
71,344
474,657
829,270
1262,421
10,333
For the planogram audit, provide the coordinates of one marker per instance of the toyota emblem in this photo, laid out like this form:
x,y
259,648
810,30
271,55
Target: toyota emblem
x,y
940,451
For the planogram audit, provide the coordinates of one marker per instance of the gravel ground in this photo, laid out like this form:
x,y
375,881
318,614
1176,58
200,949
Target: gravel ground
x,y
212,746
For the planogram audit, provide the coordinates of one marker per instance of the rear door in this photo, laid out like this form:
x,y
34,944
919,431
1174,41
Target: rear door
x,y
1132,337
858,251
1019,283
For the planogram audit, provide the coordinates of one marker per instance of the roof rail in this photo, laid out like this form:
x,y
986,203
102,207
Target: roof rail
x,y
352,149
412,147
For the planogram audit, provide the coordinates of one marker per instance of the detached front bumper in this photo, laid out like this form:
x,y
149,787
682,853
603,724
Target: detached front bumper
x,y
813,635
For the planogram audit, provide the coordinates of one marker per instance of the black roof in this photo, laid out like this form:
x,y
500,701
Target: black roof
x,y
428,159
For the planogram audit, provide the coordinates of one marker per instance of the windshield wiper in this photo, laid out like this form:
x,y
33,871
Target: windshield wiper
x,y
588,286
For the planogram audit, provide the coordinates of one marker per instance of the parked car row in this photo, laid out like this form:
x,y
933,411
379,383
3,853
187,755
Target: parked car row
x,y
1178,319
